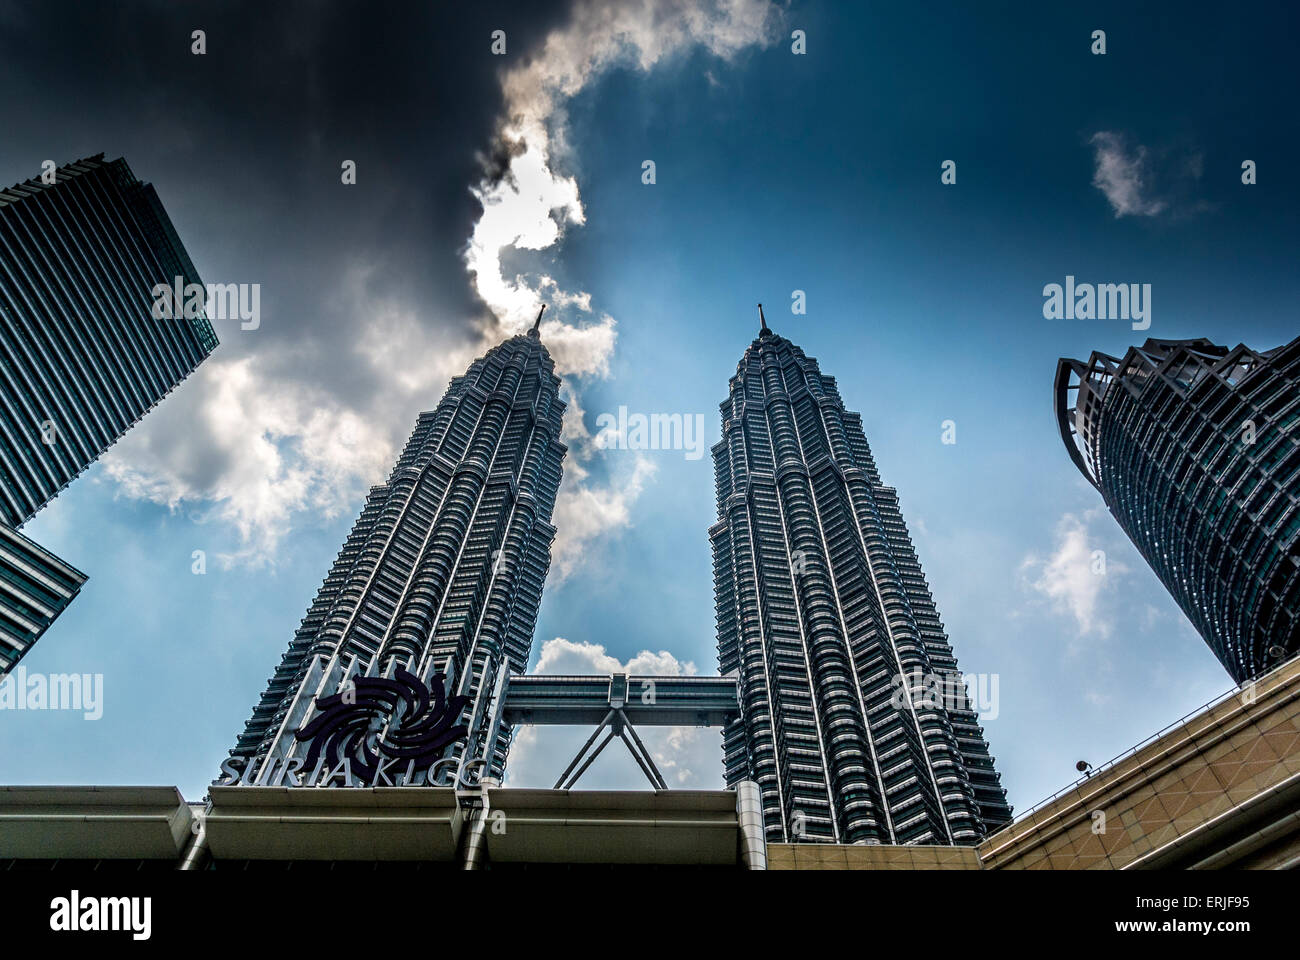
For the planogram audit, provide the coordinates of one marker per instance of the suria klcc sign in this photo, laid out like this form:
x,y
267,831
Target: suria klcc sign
x,y
375,732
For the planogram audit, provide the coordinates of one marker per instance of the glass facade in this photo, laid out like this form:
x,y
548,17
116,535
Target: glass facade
x,y
35,587
442,573
82,357
824,614
1195,449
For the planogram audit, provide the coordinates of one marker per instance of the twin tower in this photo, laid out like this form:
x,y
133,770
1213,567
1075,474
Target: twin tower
x,y
823,613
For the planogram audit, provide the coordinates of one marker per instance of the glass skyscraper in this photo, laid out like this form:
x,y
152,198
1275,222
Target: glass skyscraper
x,y
1196,451
82,358
82,355
857,724
396,670
35,587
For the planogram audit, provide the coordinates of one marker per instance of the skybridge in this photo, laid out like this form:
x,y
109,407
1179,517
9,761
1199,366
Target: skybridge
x,y
616,705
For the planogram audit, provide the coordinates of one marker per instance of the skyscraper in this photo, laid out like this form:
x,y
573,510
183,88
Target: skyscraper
x,y
403,653
35,587
1195,450
82,355
82,358
857,725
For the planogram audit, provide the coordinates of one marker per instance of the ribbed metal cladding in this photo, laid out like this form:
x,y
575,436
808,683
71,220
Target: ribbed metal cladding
x,y
82,358
1196,451
821,608
35,587
444,568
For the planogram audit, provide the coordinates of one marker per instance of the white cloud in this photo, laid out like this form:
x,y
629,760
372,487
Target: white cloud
x,y
248,444
562,299
529,204
518,214
1122,175
281,451
586,513
562,657
687,757
579,350
270,430
1073,578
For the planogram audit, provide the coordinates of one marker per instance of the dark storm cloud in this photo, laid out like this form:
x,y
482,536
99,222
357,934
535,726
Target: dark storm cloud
x,y
245,142
364,294
371,294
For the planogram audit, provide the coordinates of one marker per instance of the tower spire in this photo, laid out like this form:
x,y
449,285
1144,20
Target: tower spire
x,y
537,324
763,331
865,554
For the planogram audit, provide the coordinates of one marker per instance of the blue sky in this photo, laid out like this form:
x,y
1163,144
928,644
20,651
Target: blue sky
x,y
774,173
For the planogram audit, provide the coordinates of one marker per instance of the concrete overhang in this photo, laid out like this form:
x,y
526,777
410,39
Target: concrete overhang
x,y
696,827
1217,787
377,823
1223,841
92,823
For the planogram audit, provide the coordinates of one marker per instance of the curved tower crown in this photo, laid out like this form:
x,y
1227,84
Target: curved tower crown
x,y
1196,451
435,593
825,615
